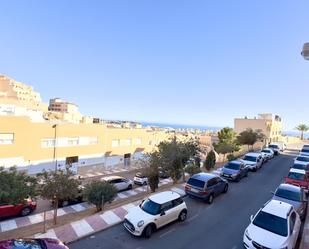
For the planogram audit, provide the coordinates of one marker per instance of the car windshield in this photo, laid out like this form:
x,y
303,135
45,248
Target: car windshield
x,y
140,175
271,223
250,158
150,207
28,244
196,183
305,150
287,194
296,176
266,151
302,158
235,166
299,166
273,146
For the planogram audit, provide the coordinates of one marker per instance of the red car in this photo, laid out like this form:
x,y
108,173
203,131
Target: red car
x,y
22,209
299,178
32,243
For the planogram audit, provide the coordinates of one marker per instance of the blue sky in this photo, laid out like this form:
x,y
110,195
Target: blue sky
x,y
185,62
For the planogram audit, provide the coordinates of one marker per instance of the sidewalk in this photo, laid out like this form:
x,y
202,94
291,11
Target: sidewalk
x,y
98,222
20,222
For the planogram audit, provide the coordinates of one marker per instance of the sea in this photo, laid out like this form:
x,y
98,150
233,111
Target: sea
x,y
212,128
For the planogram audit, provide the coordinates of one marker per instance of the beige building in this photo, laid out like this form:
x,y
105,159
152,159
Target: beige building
x,y
34,147
269,124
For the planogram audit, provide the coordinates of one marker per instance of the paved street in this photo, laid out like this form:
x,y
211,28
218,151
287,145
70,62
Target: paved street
x,y
220,225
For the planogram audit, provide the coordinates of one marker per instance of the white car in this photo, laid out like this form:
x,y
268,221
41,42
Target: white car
x,y
304,151
253,160
140,179
275,148
268,153
304,160
276,225
119,182
155,212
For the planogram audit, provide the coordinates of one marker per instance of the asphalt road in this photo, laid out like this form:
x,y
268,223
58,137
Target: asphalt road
x,y
218,226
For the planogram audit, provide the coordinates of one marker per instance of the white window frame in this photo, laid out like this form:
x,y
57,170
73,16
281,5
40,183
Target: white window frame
x,y
126,142
48,142
115,143
6,138
138,141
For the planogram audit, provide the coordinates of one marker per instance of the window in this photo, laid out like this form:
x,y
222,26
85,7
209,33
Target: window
x,y
292,222
196,183
73,141
93,140
47,142
177,202
272,223
115,142
125,142
137,141
166,206
6,138
211,182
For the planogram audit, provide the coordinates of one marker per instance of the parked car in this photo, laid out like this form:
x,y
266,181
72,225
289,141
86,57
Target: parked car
x,y
275,148
206,186
140,179
253,161
119,182
276,225
72,201
22,209
304,167
299,178
163,173
304,151
32,244
269,153
234,170
301,160
156,211
293,195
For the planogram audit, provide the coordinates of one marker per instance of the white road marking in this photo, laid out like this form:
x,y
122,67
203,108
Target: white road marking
x,y
192,218
168,232
77,207
127,207
36,218
122,196
49,234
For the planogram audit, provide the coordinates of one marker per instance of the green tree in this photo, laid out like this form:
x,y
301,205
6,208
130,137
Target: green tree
x,y
150,168
302,128
16,186
227,141
210,161
57,186
173,156
99,193
248,137
192,169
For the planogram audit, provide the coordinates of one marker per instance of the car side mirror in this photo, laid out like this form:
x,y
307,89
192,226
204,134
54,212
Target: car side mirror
x,y
272,192
251,218
162,213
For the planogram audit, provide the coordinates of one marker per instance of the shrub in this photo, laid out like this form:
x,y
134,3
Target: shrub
x,y
210,161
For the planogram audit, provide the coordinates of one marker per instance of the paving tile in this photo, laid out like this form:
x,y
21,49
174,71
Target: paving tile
x,y
110,217
81,227
127,207
69,210
96,222
36,218
122,196
8,225
179,191
130,192
23,221
49,234
66,233
120,212
78,207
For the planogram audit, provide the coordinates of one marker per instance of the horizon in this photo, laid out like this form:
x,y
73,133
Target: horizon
x,y
207,65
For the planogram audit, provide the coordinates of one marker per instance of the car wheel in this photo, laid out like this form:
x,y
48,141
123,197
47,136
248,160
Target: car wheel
x,y
25,211
182,216
144,183
130,186
246,174
148,231
210,199
237,179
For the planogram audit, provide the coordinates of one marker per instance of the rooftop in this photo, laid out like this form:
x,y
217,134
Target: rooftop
x,y
277,208
163,197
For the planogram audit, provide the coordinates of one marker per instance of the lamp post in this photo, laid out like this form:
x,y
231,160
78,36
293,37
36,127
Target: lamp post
x,y
305,51
55,144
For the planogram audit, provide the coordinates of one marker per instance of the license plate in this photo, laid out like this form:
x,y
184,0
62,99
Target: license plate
x,y
194,190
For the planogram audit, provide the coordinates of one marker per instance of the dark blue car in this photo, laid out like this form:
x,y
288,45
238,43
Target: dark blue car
x,y
206,186
234,171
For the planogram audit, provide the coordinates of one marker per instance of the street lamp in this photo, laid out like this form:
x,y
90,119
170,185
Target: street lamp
x,y
55,141
305,51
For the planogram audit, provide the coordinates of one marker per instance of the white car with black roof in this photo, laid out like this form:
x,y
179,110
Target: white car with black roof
x,y
156,211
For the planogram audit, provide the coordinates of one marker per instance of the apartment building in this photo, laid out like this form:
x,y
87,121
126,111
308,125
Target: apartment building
x,y
269,124
34,147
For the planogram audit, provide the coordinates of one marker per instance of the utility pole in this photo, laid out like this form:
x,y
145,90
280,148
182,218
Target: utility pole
x,y
55,144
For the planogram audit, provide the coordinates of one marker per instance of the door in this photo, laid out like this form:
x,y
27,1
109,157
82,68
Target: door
x,y
219,185
122,185
127,159
242,170
211,186
10,210
166,214
294,227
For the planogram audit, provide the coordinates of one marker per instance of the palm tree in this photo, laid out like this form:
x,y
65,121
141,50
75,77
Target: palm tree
x,y
302,128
